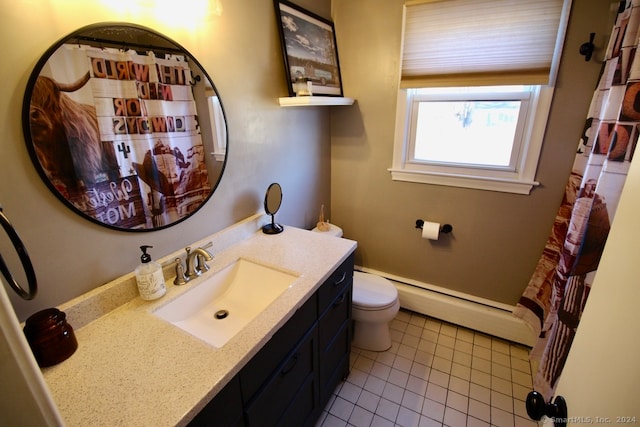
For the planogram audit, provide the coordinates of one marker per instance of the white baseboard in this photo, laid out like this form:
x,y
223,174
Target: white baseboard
x,y
475,313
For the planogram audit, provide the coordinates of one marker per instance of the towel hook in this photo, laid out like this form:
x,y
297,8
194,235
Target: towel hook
x,y
195,78
587,48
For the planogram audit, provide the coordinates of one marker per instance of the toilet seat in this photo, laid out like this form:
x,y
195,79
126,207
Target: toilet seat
x,y
373,307
372,293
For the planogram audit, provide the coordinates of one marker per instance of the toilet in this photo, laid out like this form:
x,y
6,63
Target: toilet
x,y
375,304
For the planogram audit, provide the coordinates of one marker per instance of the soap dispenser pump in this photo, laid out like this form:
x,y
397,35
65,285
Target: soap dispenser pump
x,y
149,277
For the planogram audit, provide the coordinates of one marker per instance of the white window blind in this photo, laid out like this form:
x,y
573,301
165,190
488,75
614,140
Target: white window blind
x,y
482,42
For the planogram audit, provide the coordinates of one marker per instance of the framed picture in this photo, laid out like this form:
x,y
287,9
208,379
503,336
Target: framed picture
x,y
309,49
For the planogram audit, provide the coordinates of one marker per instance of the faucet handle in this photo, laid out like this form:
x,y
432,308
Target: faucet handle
x,y
181,278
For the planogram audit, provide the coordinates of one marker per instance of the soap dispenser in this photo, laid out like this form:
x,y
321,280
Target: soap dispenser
x,y
149,277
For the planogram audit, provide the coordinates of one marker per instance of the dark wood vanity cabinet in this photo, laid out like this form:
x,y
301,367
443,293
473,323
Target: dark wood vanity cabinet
x,y
292,377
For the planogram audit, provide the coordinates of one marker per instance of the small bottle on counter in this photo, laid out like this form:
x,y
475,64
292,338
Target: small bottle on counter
x,y
149,277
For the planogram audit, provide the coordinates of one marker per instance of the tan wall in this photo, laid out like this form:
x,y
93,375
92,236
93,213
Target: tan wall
x,y
497,237
241,52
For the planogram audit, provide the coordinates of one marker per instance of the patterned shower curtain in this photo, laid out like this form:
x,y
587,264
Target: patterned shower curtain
x,y
553,302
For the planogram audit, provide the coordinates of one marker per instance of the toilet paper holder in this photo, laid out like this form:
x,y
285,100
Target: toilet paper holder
x,y
445,228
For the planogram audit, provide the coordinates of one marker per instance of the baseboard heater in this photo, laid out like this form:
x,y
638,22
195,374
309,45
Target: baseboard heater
x,y
461,309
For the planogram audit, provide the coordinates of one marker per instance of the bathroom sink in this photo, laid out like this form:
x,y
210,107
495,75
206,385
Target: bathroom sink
x,y
224,302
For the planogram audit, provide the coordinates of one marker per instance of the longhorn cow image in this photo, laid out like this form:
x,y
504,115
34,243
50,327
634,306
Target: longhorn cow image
x,y
66,137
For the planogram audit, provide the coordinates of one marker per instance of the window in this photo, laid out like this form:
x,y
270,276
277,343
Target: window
x,y
473,113
475,137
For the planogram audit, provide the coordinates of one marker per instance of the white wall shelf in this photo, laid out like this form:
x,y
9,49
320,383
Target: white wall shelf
x,y
311,101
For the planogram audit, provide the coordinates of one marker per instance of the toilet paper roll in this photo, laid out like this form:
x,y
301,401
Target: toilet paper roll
x,y
431,230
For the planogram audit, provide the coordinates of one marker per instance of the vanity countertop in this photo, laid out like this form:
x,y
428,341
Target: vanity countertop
x,y
132,368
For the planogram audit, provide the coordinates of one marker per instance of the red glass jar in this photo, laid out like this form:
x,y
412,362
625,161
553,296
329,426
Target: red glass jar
x,y
50,337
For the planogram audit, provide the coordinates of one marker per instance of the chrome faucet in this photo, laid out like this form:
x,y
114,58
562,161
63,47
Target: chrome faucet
x,y
197,261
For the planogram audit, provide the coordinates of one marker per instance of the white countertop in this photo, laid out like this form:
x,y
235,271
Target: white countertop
x,y
133,368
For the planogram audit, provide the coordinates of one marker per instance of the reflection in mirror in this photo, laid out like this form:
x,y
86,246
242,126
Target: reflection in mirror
x,y
218,126
272,202
125,127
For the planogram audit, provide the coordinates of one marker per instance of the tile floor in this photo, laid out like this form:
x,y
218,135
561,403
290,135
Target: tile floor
x,y
435,374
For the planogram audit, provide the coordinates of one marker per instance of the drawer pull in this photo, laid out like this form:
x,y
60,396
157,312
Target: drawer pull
x,y
339,282
290,365
340,301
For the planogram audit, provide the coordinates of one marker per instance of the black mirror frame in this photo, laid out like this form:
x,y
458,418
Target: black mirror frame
x,y
70,39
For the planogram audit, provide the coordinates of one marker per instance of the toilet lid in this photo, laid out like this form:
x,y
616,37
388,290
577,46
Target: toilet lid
x,y
372,291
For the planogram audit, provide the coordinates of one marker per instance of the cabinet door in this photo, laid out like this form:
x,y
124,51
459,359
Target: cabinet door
x,y
263,364
334,317
334,328
335,344
224,410
304,409
270,404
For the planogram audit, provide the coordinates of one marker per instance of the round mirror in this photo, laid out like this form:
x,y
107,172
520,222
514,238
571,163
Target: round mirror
x,y
125,127
272,202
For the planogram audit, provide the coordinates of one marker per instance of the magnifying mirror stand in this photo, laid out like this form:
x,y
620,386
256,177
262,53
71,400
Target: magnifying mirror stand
x,y
272,202
272,228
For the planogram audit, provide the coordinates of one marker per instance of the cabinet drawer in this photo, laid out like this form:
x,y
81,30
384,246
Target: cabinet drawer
x,y
262,365
334,316
269,405
342,276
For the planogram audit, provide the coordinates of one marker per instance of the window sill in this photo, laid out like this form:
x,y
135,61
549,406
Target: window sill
x,y
219,156
465,181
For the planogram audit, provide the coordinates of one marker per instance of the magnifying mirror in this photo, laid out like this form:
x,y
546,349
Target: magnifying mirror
x,y
272,202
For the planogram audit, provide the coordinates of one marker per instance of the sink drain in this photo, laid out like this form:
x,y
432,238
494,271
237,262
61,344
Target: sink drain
x,y
221,314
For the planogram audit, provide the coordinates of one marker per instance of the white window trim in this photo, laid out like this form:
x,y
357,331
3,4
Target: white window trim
x,y
219,131
520,181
